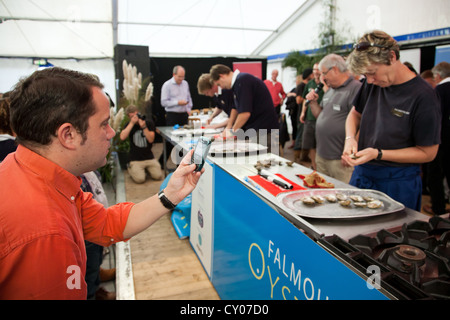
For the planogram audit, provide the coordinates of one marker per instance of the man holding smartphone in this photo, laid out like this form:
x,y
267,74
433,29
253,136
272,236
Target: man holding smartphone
x,y
61,118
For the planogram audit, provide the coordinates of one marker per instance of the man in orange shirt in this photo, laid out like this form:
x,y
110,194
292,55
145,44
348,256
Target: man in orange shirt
x,y
61,119
276,91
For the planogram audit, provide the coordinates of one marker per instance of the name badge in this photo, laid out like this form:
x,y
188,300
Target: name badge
x,y
336,107
399,113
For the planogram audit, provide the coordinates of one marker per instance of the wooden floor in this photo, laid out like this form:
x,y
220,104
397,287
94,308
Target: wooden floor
x,y
164,267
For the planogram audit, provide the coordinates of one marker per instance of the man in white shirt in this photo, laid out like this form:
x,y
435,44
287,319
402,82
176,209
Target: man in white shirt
x,y
177,101
176,98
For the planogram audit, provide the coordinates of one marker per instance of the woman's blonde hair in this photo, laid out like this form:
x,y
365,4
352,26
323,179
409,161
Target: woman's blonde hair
x,y
359,60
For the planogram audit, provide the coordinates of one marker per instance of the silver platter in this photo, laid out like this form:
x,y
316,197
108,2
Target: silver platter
x,y
235,147
293,203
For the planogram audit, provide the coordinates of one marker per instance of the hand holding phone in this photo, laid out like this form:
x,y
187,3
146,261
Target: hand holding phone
x,y
201,152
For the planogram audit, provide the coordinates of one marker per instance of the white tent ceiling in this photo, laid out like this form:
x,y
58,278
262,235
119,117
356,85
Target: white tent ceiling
x,y
91,28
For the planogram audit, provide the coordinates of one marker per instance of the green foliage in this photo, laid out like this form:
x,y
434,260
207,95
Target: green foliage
x,y
298,60
106,172
329,41
121,145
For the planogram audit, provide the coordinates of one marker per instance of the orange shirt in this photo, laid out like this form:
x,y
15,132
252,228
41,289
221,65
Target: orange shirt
x,y
44,220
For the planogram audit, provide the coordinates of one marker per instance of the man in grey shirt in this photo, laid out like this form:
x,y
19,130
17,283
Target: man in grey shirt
x,y
331,115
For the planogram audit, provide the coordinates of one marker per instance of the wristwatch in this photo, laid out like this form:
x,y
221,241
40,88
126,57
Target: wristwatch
x,y
165,201
380,154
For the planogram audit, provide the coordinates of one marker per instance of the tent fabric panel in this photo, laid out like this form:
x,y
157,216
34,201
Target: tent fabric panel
x,y
69,10
192,40
56,39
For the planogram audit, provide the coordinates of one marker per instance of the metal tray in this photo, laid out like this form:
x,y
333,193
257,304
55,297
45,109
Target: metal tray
x,y
235,148
292,202
194,132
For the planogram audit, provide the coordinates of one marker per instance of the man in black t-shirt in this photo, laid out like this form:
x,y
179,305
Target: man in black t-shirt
x,y
254,111
142,134
223,100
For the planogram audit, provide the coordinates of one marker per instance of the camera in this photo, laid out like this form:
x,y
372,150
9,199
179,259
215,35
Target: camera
x,y
141,116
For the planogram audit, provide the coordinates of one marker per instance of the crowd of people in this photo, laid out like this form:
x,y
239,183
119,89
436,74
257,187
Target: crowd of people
x,y
366,119
376,123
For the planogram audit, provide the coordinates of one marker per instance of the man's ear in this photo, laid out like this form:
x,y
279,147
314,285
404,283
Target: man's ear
x,y
68,136
392,56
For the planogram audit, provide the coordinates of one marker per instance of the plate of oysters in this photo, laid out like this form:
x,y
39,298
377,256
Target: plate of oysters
x,y
339,203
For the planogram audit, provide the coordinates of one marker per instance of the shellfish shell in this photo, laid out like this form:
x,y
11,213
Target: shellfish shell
x,y
356,198
318,199
308,201
360,204
341,197
375,204
330,198
345,203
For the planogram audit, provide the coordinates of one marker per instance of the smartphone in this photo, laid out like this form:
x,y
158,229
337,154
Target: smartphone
x,y
201,152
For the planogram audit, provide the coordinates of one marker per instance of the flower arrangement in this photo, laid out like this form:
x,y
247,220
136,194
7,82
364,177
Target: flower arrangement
x,y
148,92
132,82
117,121
132,94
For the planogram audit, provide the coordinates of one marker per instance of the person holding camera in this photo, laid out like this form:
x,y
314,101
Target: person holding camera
x,y
142,134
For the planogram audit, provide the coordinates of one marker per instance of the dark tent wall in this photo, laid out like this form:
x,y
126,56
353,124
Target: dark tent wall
x,y
161,71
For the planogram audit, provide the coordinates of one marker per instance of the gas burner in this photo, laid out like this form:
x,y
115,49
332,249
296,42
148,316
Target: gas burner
x,y
404,258
414,258
409,255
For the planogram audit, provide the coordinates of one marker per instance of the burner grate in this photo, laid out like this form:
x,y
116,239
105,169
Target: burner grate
x,y
415,257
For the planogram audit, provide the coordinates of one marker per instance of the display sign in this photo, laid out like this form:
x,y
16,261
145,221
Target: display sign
x,y
258,254
202,217
254,68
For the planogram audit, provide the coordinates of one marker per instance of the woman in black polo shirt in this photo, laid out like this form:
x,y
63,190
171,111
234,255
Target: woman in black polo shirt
x,y
394,125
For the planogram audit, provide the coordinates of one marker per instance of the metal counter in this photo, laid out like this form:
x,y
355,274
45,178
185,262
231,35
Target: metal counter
x,y
241,167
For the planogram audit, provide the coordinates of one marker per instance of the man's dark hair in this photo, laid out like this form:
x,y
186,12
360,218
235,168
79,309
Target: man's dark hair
x,y
45,100
217,70
306,73
5,125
